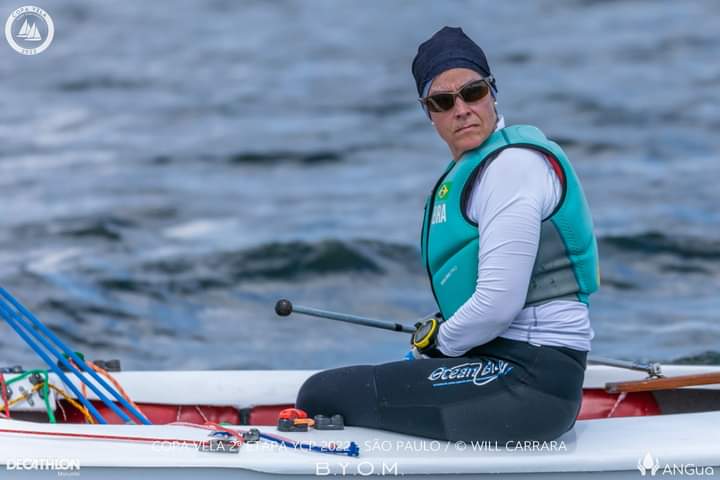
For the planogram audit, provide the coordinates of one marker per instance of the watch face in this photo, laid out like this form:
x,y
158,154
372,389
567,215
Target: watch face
x,y
423,331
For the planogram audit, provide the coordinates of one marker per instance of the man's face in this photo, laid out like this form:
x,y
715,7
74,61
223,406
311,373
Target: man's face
x,y
466,125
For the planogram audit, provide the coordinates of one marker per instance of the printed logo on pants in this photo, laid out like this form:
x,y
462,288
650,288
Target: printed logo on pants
x,y
479,373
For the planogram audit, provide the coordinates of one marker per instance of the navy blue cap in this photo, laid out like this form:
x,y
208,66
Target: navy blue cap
x,y
447,48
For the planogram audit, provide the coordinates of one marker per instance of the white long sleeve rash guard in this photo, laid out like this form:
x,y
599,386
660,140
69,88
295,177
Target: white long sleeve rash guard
x,y
514,194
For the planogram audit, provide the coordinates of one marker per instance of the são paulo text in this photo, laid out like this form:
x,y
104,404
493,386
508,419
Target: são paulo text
x,y
430,446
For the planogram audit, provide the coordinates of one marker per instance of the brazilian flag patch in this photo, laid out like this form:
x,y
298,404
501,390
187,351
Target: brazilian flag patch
x,y
444,190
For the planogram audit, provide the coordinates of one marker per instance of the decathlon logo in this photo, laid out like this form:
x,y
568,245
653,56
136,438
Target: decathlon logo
x,y
61,465
29,30
479,373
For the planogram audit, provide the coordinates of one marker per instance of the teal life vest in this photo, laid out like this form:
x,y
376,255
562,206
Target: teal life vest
x,y
566,265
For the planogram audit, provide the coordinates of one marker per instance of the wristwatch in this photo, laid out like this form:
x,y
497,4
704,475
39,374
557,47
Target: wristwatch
x,y
424,339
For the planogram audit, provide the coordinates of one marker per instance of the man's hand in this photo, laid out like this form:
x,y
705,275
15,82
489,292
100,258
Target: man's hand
x,y
424,339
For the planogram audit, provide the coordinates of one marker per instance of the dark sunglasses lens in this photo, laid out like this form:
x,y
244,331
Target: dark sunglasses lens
x,y
441,102
474,92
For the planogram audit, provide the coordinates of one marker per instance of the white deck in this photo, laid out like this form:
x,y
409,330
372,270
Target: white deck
x,y
608,445
604,448
244,388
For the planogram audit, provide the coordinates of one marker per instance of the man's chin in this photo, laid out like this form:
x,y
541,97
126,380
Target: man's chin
x,y
469,142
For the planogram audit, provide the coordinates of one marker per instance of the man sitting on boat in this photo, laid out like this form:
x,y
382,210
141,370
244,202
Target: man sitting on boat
x,y
509,247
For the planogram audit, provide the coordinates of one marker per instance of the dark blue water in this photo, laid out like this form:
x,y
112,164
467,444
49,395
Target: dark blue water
x,y
170,169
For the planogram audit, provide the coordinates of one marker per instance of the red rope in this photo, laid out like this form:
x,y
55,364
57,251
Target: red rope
x,y
105,437
3,386
209,426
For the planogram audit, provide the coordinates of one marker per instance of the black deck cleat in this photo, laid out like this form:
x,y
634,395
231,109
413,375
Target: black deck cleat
x,y
221,442
336,422
289,425
251,436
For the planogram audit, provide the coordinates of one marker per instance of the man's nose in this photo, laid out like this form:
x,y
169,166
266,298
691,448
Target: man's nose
x,y
461,108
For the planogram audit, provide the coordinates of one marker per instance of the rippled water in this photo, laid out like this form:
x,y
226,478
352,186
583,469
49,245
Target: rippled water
x,y
170,169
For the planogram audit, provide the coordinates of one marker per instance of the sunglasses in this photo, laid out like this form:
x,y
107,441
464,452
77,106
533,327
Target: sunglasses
x,y
471,92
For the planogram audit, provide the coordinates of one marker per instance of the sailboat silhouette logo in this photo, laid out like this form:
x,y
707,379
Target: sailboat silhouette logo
x,y
29,30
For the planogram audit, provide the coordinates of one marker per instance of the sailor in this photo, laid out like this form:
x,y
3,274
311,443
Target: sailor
x,y
512,260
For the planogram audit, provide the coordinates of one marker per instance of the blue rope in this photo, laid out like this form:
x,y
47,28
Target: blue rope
x,y
78,361
7,315
352,451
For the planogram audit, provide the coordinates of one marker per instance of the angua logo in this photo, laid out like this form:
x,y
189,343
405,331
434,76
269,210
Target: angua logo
x,y
647,463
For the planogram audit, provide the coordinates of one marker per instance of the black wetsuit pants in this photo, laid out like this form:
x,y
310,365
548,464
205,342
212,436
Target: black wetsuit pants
x,y
505,390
